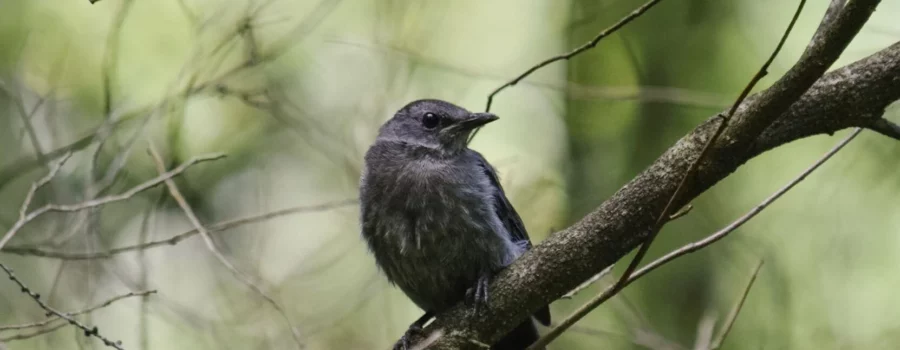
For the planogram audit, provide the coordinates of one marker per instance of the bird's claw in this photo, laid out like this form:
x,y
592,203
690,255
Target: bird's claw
x,y
405,342
478,294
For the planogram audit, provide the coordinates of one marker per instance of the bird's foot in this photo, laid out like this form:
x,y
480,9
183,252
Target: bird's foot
x,y
405,342
478,294
414,330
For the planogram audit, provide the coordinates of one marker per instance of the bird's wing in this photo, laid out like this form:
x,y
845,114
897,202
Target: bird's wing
x,y
502,207
511,221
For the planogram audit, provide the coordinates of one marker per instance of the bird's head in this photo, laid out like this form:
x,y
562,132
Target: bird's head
x,y
434,124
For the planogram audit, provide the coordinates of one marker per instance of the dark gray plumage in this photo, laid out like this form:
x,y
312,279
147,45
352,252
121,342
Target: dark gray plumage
x,y
434,214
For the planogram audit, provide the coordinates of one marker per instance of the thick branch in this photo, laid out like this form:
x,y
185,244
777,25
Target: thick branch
x,y
855,95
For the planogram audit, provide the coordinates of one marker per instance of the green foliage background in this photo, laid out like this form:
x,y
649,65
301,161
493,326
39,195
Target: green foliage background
x,y
332,72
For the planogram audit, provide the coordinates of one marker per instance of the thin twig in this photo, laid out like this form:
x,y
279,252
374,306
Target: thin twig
x,y
23,210
588,283
681,212
23,165
143,278
79,312
88,331
108,70
37,333
309,23
210,244
705,329
217,227
732,316
29,127
111,55
24,219
695,246
41,183
886,128
666,212
567,56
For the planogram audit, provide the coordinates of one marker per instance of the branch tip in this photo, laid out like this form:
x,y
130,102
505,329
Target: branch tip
x,y
886,128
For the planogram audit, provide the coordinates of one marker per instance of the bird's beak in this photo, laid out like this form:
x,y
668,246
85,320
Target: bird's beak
x,y
477,119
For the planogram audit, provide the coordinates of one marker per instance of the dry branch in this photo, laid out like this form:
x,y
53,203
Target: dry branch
x,y
88,331
210,244
212,228
715,237
106,303
26,217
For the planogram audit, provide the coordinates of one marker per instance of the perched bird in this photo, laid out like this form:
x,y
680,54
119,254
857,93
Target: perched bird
x,y
434,215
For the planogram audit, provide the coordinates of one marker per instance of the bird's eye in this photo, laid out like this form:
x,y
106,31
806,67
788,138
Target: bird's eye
x,y
431,120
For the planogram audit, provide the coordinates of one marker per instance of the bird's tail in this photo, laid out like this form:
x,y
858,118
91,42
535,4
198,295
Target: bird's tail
x,y
520,338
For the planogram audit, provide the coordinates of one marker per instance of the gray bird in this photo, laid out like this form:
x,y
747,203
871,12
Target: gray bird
x,y
434,214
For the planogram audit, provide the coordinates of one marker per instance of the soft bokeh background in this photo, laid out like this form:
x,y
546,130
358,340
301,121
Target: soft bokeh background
x,y
294,91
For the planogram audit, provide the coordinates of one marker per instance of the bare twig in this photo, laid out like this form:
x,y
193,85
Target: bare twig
x,y
54,169
664,216
732,316
26,218
24,164
566,56
886,128
210,244
111,55
40,183
106,303
37,333
705,329
88,331
217,227
681,212
143,271
29,127
695,246
588,283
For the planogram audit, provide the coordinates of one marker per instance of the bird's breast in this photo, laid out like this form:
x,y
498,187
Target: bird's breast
x,y
432,230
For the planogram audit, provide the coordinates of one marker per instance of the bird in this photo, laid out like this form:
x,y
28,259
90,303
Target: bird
x,y
435,217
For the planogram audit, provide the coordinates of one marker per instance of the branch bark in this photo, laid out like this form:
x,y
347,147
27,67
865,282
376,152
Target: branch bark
x,y
800,104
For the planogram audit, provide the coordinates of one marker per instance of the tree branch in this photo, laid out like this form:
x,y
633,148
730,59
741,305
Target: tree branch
x,y
663,217
789,110
611,291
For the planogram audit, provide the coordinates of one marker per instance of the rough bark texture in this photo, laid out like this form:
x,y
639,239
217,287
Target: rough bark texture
x,y
802,103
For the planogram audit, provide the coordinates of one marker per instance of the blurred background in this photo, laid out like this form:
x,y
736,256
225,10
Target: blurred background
x,y
293,93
